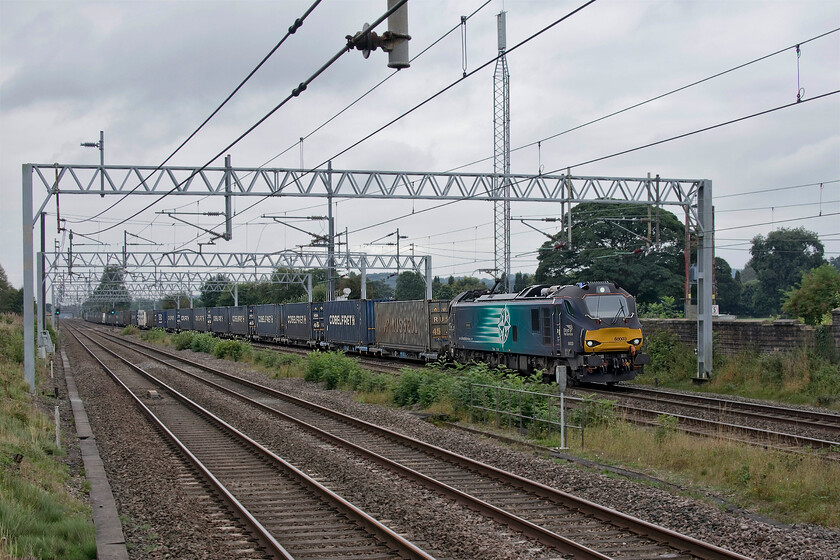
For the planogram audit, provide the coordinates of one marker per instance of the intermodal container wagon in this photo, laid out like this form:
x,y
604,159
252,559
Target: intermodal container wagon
x,y
200,319
239,320
349,324
265,320
303,322
171,319
160,318
220,320
184,319
412,329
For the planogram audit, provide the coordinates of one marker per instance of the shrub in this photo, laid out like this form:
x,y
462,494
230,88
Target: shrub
x,y
333,368
233,349
203,343
183,340
130,330
155,336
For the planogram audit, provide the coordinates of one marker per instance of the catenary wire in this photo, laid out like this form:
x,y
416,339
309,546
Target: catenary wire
x,y
432,97
296,92
616,154
655,98
358,99
292,29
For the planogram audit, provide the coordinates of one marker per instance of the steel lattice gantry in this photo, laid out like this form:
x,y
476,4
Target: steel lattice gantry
x,y
167,268
112,285
694,195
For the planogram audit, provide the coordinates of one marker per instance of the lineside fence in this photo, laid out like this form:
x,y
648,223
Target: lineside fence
x,y
539,413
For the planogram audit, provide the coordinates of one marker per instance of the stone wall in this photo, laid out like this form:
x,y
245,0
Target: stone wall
x,y
731,337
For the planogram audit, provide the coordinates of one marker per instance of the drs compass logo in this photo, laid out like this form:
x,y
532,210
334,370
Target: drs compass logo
x,y
504,325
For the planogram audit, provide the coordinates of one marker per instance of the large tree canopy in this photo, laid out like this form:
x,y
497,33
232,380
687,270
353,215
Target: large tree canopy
x,y
779,261
111,292
609,242
817,295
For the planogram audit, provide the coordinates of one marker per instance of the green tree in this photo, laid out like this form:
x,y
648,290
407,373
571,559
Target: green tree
x,y
521,281
779,260
410,285
609,242
111,292
817,294
728,288
209,293
11,300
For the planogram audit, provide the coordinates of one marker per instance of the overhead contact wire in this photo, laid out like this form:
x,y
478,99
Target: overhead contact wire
x,y
295,93
292,29
430,98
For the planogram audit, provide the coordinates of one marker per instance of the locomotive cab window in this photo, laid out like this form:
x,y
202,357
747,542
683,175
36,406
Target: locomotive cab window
x,y
535,320
607,307
569,309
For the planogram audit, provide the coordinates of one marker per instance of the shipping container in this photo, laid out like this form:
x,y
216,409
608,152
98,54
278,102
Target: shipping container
x,y
160,319
200,319
147,319
303,322
185,319
220,320
122,318
171,319
412,329
266,320
238,320
349,324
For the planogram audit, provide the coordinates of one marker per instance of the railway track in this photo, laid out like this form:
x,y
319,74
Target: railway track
x,y
556,519
728,419
291,515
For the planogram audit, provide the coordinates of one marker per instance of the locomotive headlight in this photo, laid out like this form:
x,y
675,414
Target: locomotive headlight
x,y
636,341
592,343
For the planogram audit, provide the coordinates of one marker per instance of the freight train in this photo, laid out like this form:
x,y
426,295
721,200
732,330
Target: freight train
x,y
588,332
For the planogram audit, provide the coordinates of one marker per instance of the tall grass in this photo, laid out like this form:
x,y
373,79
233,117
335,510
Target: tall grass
x,y
804,376
38,517
790,488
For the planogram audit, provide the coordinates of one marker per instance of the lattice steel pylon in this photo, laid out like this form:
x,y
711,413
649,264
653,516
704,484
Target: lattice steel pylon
x,y
501,161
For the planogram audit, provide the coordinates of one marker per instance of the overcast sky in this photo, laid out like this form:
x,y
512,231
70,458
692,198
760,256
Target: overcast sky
x,y
148,73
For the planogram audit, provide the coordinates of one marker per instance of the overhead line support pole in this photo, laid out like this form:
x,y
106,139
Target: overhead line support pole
x,y
705,277
28,288
228,217
331,235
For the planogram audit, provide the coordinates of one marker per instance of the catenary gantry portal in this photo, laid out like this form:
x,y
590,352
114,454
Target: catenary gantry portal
x,y
693,195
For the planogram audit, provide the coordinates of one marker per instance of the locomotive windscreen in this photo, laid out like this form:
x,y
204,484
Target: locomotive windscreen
x,y
606,307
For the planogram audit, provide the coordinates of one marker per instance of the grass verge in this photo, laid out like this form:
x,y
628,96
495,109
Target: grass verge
x,y
38,516
787,487
804,376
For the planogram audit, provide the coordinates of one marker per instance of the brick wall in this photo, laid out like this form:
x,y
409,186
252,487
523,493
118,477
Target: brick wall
x,y
731,337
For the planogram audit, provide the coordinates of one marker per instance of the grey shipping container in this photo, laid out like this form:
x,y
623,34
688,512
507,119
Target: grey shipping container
x,y
414,326
239,320
220,317
200,319
266,320
185,319
303,322
171,319
349,322
123,318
